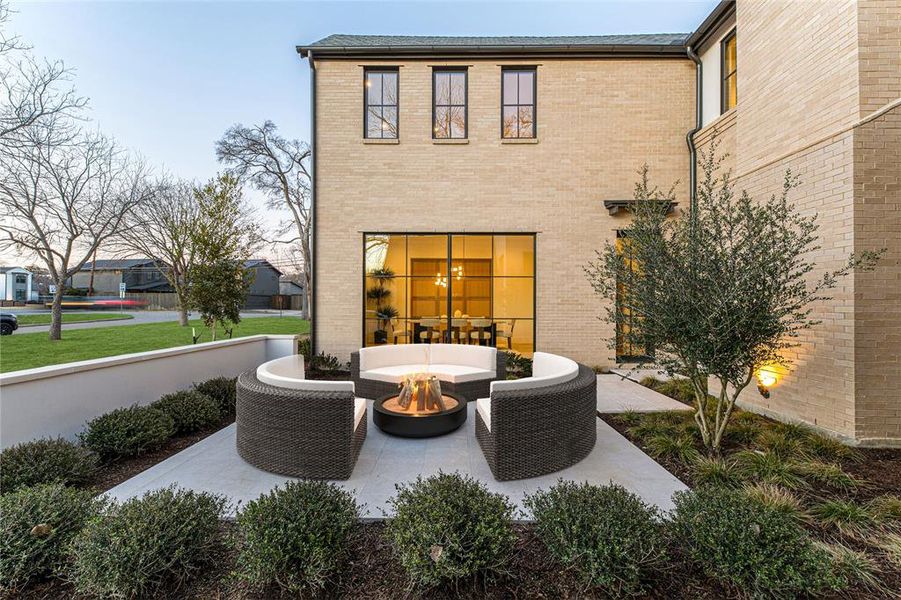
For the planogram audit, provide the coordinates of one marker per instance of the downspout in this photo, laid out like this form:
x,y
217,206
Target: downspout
x,y
690,136
315,240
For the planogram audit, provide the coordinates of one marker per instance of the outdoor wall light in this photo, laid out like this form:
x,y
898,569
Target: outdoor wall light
x,y
766,378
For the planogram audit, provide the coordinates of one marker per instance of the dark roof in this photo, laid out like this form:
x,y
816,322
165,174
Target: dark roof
x,y
259,262
118,264
345,44
723,11
6,269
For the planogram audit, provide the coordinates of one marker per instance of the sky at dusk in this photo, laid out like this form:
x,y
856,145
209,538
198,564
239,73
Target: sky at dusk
x,y
167,78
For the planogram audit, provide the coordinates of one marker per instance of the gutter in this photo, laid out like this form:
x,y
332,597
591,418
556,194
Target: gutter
x,y
570,50
690,136
315,238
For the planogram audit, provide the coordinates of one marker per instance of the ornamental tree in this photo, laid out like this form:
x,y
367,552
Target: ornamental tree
x,y
718,294
224,236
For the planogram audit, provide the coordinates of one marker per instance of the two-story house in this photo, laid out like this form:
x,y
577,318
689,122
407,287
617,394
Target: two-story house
x,y
462,183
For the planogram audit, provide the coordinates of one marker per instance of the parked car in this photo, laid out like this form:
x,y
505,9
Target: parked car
x,y
8,323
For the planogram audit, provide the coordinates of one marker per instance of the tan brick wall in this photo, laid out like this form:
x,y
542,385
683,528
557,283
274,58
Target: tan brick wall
x,y
598,122
877,307
879,35
797,74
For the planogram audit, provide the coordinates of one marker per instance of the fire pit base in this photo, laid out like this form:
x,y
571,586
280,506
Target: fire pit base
x,y
391,418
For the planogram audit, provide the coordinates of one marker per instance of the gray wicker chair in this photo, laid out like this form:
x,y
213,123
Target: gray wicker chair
x,y
371,388
297,433
540,430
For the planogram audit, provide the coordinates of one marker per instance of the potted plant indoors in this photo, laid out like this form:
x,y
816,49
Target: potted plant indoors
x,y
379,294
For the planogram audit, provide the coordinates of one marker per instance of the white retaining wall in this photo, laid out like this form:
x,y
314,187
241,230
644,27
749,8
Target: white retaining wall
x,y
57,400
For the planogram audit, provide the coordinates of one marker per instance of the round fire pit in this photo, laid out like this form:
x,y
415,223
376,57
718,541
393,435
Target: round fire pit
x,y
392,418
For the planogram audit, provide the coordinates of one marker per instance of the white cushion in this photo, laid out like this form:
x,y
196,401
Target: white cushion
x,y
459,373
359,410
287,372
281,371
394,374
393,355
483,405
547,369
482,357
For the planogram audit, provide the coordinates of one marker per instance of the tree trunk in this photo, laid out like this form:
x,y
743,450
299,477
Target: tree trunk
x,y
182,315
56,313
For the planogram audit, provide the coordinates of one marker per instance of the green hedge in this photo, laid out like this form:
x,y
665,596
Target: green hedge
x,y
190,410
296,537
128,432
448,527
36,526
607,534
759,551
45,461
222,390
148,546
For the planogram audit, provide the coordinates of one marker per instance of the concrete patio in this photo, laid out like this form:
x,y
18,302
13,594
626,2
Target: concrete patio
x,y
618,393
213,465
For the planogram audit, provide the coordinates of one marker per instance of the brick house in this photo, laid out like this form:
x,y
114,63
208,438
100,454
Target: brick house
x,y
462,183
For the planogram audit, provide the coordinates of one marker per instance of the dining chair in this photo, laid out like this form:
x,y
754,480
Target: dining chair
x,y
505,330
479,332
399,332
457,334
432,333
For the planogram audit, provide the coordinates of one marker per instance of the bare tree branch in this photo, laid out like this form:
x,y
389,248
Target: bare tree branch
x,y
279,168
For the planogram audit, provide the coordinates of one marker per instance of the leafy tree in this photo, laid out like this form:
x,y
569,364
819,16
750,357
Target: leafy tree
x,y
718,294
224,237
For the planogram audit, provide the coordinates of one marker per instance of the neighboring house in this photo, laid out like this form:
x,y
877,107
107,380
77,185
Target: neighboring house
x,y
296,290
15,285
485,172
265,283
138,275
286,287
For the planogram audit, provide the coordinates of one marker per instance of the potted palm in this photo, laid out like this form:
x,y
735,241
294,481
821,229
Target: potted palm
x,y
379,294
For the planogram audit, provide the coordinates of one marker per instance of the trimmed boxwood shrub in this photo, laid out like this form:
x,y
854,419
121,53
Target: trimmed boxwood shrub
x,y
46,460
148,545
222,390
190,411
449,527
128,431
759,551
36,526
609,535
296,537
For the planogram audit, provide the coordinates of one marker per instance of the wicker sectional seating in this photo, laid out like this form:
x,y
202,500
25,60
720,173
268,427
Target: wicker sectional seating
x,y
293,426
467,370
540,424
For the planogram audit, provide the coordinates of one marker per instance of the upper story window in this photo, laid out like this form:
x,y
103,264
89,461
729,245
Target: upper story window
x,y
518,92
380,100
728,68
449,91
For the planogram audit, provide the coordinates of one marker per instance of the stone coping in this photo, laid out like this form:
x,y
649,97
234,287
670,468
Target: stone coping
x,y
111,361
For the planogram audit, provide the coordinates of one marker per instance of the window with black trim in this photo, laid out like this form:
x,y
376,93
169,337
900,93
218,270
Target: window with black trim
x,y
518,93
728,68
380,103
449,97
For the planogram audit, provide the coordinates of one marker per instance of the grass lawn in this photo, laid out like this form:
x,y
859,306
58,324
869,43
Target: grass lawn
x,y
44,318
35,350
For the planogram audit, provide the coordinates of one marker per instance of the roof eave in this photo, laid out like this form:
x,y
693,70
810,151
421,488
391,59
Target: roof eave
x,y
673,49
723,11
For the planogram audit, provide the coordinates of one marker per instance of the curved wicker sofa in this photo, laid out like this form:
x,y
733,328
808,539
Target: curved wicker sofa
x,y
292,426
540,424
461,368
